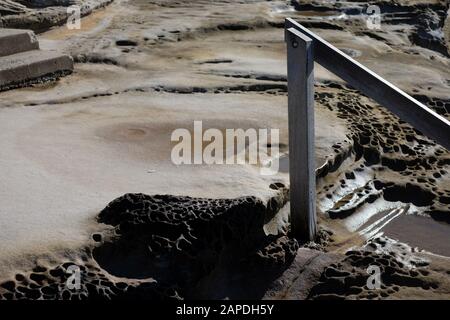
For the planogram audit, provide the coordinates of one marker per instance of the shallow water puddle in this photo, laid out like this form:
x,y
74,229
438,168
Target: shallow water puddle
x,y
402,222
422,232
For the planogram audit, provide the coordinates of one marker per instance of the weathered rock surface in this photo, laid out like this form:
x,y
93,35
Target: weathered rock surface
x,y
179,247
8,7
147,67
41,15
403,274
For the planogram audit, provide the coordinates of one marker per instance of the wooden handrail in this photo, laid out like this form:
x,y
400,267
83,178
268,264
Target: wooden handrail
x,y
303,48
424,119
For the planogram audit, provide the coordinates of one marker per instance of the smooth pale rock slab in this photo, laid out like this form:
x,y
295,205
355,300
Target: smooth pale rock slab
x,y
71,159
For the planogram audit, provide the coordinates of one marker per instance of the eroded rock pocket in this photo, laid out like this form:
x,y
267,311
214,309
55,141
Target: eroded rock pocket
x,y
168,247
185,243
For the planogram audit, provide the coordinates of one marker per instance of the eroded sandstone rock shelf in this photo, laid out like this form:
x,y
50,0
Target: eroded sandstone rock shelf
x,y
145,68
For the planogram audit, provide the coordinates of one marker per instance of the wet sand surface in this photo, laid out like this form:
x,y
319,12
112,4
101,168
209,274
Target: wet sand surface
x,y
145,68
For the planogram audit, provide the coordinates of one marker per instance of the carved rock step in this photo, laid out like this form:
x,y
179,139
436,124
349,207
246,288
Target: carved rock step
x,y
21,68
15,40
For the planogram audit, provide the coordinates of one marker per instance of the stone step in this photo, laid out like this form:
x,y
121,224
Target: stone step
x,y
25,67
16,40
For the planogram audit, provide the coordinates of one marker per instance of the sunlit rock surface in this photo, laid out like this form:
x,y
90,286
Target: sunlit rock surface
x,y
145,68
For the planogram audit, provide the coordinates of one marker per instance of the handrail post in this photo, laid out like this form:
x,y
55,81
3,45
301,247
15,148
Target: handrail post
x,y
300,65
361,78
